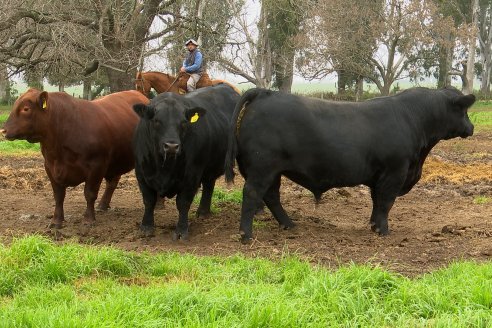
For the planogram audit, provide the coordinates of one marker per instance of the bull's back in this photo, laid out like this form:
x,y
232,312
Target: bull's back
x,y
116,124
317,142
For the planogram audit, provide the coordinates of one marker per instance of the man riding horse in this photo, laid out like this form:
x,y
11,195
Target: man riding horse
x,y
192,64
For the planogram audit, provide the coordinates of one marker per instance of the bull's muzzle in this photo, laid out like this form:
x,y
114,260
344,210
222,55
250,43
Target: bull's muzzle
x,y
171,148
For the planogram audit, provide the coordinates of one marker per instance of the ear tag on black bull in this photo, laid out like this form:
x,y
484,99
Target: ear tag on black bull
x,y
194,118
44,104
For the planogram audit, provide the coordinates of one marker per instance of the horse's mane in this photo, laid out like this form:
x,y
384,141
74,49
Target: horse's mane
x,y
158,73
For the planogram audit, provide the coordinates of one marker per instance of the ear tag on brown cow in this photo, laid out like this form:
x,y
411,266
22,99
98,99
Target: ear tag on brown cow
x,y
44,104
194,118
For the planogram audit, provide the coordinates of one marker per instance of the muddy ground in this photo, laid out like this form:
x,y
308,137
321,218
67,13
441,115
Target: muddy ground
x,y
446,217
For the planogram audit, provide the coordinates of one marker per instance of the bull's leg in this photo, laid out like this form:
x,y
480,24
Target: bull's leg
x,y
253,192
206,199
111,185
149,196
272,200
59,193
183,203
91,189
383,196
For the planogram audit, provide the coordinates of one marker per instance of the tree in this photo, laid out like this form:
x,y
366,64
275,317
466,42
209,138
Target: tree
x,y
283,21
248,52
485,44
88,34
470,65
382,42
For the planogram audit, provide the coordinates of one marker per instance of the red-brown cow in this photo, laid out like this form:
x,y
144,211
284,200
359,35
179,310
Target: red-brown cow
x,y
81,141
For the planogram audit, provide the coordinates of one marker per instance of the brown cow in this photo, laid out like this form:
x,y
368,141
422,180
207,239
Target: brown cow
x,y
81,141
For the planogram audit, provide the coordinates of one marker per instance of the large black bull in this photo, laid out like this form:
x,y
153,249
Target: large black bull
x,y
180,143
381,143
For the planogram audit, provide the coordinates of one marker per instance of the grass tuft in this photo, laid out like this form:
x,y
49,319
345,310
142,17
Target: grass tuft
x,y
70,285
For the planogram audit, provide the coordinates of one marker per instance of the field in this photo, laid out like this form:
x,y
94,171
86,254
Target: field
x,y
377,281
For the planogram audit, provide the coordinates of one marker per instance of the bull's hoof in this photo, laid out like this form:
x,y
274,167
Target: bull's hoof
x,y
55,225
89,223
245,238
102,208
203,214
145,231
380,231
180,236
288,226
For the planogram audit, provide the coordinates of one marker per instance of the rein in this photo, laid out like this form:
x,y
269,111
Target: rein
x,y
175,80
141,80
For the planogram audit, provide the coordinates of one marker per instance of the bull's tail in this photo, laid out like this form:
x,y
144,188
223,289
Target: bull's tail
x,y
232,147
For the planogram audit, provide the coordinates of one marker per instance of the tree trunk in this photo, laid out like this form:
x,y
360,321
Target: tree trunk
x,y
120,81
471,52
359,88
445,65
4,84
61,87
263,61
284,71
485,41
86,93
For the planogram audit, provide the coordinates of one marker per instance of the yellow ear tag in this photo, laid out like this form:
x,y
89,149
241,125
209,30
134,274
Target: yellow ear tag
x,y
194,118
44,104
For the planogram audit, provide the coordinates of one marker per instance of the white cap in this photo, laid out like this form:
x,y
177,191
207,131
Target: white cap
x,y
191,41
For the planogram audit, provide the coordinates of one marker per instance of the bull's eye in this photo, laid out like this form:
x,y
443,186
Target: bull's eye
x,y
25,109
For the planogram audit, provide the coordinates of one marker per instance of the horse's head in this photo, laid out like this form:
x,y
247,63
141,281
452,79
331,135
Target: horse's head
x,y
142,85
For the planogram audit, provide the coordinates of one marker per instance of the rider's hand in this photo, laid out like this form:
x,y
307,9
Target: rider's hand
x,y
182,69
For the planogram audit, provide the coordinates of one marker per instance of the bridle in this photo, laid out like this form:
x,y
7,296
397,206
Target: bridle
x,y
142,85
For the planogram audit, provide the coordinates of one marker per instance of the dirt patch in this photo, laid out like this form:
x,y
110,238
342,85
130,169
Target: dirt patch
x,y
447,216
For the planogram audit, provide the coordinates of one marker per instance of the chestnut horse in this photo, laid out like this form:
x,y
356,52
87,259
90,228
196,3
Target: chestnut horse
x,y
163,82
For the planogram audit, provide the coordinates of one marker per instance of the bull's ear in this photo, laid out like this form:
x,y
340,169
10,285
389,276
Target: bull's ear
x,y
465,101
144,111
43,100
194,114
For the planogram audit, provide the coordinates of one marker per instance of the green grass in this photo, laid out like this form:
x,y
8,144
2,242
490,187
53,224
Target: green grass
x,y
481,118
220,197
481,200
45,285
16,147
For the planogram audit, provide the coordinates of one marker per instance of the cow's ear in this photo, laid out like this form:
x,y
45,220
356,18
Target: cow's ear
x,y
43,100
465,101
144,111
194,114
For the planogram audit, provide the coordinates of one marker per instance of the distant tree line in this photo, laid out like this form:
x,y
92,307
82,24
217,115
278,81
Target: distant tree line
x,y
102,43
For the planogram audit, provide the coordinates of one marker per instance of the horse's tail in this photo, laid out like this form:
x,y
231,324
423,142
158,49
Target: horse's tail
x,y
214,82
232,147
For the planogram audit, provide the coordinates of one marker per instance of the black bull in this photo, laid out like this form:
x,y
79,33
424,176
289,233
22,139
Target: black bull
x,y
381,143
180,143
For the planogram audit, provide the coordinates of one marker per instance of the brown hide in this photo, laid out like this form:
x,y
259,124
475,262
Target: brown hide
x,y
163,82
81,141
